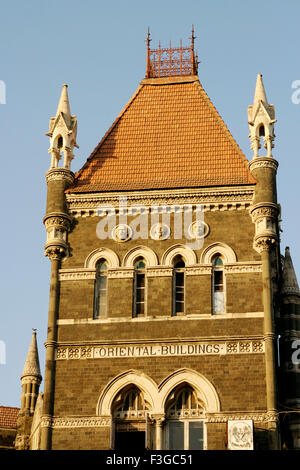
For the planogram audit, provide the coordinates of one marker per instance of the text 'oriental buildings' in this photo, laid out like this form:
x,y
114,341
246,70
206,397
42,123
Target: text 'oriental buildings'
x,y
170,302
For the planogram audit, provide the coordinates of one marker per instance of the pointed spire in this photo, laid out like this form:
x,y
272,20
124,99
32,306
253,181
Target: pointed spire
x,y
64,105
261,119
32,364
289,279
260,94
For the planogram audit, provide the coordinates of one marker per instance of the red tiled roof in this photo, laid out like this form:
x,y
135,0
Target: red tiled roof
x,y
8,416
168,136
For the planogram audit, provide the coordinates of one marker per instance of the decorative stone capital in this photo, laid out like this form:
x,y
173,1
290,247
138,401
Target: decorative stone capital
x,y
272,415
56,174
264,243
158,419
263,162
55,252
264,210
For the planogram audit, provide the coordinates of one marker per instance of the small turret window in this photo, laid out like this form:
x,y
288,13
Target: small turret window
x,y
60,142
261,130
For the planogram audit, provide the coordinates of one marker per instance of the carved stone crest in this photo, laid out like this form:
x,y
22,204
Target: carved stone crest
x,y
121,233
198,229
160,231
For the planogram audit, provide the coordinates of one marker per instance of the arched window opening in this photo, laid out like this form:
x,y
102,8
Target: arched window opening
x,y
130,415
261,134
139,288
178,286
185,412
218,292
261,130
59,142
100,302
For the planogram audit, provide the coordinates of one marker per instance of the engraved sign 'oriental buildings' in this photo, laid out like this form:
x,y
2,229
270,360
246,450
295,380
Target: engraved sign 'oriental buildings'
x,y
153,342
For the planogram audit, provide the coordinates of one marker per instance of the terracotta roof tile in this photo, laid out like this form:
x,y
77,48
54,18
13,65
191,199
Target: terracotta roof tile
x,y
168,136
8,416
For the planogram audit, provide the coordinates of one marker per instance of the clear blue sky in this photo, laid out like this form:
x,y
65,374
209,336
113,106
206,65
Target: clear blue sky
x,y
98,48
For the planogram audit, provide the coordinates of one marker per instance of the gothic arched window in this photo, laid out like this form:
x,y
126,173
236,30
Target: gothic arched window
x,y
218,290
139,288
184,419
130,412
178,286
100,300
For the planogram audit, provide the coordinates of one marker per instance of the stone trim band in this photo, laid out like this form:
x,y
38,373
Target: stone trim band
x,y
106,421
159,350
77,274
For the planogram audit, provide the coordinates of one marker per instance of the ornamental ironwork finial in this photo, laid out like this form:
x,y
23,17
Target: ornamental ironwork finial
x,y
172,61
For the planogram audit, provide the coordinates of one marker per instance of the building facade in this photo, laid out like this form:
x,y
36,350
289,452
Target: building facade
x,y
167,284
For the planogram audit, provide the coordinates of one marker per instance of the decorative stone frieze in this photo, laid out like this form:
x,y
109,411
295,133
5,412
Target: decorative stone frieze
x,y
76,422
263,417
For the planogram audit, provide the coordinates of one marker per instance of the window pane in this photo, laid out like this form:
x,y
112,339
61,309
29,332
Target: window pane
x,y
176,436
140,280
102,282
218,279
218,302
102,304
140,293
195,435
140,308
179,279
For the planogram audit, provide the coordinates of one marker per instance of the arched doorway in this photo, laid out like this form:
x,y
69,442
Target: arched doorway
x,y
130,412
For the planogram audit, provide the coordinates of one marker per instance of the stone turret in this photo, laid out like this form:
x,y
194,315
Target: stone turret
x,y
265,215
289,329
31,379
62,133
265,210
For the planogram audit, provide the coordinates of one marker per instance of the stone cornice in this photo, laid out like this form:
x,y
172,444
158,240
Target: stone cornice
x,y
213,199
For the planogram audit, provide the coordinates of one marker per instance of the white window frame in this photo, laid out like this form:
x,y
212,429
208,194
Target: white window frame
x,y
186,432
143,271
174,313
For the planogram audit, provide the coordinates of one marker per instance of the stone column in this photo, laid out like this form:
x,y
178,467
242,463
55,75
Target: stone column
x,y
55,257
264,246
159,421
